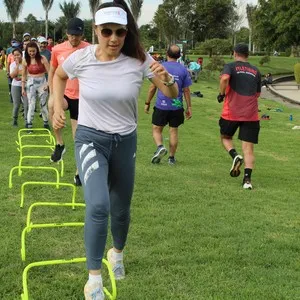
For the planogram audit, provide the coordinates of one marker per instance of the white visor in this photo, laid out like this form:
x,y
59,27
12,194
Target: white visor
x,y
111,15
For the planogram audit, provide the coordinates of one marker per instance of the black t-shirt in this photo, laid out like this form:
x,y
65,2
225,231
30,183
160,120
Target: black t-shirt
x,y
242,92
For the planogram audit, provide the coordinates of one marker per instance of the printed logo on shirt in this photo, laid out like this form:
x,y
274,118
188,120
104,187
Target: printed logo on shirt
x,y
245,70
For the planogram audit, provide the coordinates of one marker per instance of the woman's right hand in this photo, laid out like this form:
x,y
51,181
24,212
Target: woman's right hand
x,y
24,93
58,119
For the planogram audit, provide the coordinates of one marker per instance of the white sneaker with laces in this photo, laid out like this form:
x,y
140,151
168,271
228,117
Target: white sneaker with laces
x,y
117,266
93,291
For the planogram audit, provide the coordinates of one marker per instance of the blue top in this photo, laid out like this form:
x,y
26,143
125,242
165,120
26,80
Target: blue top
x,y
183,80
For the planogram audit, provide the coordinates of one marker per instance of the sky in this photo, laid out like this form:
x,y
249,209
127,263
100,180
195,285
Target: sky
x,y
35,7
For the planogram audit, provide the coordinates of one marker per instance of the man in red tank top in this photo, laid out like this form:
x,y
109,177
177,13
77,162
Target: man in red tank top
x,y
240,86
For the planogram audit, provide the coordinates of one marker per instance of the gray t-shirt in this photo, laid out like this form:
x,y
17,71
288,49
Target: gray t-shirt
x,y
108,91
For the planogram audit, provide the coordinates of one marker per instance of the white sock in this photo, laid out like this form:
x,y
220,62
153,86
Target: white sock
x,y
95,279
117,256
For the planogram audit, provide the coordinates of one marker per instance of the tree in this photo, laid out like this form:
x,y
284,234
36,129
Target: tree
x,y
32,25
14,8
149,36
47,4
136,8
277,24
70,9
94,4
216,47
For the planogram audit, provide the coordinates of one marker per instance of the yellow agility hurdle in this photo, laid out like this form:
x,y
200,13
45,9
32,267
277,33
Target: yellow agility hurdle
x,y
10,185
47,134
111,295
22,157
50,225
56,184
28,219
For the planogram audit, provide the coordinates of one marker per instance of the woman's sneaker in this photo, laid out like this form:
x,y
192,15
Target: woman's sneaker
x,y
93,291
116,265
159,154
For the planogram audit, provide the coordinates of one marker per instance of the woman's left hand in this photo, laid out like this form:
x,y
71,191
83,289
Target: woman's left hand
x,y
158,70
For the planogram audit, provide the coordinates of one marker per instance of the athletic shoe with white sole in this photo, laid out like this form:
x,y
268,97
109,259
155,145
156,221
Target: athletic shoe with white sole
x,y
93,291
117,266
236,164
159,154
247,185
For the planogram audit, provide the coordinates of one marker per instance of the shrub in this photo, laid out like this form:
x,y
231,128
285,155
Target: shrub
x,y
265,59
216,63
297,72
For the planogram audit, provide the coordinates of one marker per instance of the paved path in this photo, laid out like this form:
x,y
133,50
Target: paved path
x,y
289,90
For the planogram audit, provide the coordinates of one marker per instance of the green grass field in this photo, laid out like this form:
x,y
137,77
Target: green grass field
x,y
195,234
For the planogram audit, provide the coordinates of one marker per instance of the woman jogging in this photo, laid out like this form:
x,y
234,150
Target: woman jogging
x,y
35,67
110,77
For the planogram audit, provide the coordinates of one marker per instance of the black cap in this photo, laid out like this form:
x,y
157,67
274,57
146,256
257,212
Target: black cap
x,y
75,26
241,49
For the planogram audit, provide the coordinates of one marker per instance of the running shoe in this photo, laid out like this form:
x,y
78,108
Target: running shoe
x,y
236,164
46,125
159,154
58,153
77,180
117,266
171,161
93,291
247,184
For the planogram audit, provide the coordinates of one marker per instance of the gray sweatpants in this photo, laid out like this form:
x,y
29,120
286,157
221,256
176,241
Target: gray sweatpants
x,y
16,93
106,165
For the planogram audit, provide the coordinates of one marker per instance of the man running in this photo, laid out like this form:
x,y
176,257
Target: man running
x,y
240,86
59,54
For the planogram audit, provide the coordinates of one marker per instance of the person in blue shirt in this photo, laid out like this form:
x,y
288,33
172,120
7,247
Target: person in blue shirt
x,y
194,70
170,111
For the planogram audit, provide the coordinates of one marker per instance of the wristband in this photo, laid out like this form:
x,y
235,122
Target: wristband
x,y
147,103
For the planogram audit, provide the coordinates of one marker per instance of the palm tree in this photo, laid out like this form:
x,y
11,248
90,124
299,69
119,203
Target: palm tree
x,y
94,4
47,4
14,8
136,8
70,9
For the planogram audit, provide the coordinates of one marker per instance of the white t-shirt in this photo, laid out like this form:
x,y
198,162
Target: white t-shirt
x,y
12,68
108,91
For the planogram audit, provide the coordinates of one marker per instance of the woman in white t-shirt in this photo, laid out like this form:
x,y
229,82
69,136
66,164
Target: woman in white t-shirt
x,y
110,78
16,86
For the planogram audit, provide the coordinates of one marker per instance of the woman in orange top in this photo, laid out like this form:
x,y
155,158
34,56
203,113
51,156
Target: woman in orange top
x,y
35,66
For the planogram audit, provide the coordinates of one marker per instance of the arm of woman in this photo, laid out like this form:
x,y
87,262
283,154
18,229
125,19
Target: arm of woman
x,y
59,84
14,72
24,77
45,63
161,80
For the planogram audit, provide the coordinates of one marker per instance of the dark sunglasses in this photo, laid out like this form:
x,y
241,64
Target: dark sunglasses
x,y
107,32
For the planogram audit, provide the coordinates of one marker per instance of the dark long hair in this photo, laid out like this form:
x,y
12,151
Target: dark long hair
x,y
38,56
132,45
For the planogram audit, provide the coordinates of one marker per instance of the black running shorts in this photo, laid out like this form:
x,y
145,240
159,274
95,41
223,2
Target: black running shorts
x,y
72,107
163,117
248,130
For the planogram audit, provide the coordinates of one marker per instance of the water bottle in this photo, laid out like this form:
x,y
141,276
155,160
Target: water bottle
x,y
291,118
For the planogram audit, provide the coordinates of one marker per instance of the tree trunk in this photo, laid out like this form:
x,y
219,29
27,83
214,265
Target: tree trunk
x,y
93,34
14,29
250,39
46,25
